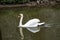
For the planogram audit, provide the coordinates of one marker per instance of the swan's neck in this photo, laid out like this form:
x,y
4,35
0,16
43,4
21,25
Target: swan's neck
x,y
21,21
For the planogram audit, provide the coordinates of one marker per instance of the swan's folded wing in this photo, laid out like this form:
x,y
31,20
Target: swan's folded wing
x,y
34,29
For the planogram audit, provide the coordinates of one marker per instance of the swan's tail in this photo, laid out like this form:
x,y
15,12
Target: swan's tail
x,y
45,25
41,23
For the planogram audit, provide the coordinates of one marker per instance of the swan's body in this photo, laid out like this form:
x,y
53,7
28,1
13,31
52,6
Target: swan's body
x,y
31,25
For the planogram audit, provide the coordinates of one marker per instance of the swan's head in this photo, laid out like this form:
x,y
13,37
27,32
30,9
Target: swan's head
x,y
20,15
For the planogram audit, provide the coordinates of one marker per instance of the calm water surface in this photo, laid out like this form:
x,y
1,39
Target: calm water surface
x,y
9,21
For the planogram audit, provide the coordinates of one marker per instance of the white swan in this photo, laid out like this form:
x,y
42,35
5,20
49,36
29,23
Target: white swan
x,y
31,25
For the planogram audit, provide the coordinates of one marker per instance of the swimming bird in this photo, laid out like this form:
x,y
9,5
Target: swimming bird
x,y
31,25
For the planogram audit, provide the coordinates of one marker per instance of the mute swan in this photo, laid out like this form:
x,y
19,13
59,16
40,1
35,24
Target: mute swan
x,y
31,25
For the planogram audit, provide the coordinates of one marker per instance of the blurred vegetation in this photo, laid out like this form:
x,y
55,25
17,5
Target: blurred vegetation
x,y
41,2
13,1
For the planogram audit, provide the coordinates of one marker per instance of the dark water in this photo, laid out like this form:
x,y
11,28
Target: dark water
x,y
9,21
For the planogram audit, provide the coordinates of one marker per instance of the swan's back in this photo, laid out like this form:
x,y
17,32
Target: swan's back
x,y
32,22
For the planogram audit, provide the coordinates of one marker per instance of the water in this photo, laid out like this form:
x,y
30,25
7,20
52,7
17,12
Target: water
x,y
9,21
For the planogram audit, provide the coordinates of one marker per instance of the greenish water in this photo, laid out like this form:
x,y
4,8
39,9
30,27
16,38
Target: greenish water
x,y
9,21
